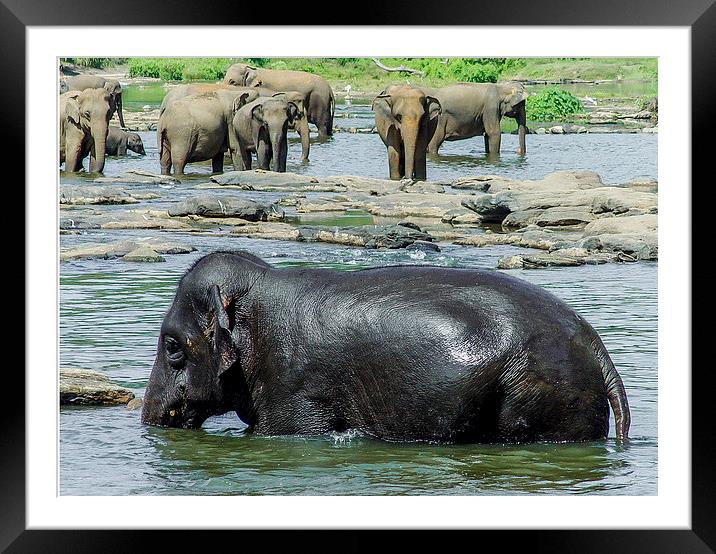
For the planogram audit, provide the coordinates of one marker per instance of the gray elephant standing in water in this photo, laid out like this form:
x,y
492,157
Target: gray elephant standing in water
x,y
318,99
84,124
119,141
300,123
406,118
261,127
84,82
474,109
196,128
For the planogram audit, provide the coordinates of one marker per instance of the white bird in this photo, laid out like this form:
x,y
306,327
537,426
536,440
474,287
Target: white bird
x,y
590,100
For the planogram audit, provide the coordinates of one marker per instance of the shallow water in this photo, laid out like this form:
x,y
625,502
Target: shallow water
x,y
111,311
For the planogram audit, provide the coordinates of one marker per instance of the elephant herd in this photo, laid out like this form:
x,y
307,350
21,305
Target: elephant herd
x,y
250,112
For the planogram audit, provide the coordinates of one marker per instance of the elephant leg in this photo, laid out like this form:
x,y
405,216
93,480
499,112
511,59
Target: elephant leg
x,y
122,147
73,160
305,134
245,158
394,162
494,144
487,144
217,163
437,140
179,161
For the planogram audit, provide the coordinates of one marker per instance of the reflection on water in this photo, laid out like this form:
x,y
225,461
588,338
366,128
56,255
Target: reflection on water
x,y
111,312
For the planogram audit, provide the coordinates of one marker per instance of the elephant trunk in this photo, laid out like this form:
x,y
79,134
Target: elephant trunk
x,y
522,129
409,132
279,146
100,139
120,114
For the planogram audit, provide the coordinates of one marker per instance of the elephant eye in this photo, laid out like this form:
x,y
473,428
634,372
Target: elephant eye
x,y
174,352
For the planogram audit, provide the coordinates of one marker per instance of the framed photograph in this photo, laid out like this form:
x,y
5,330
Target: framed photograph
x,y
360,278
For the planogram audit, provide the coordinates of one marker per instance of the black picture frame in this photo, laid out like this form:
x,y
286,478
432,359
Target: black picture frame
x,y
699,15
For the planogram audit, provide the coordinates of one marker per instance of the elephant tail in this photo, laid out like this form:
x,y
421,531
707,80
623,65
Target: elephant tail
x,y
616,393
164,148
332,102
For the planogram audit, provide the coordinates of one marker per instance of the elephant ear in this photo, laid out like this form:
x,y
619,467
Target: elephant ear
x,y
382,105
292,112
514,96
239,101
434,109
113,87
258,113
72,109
226,344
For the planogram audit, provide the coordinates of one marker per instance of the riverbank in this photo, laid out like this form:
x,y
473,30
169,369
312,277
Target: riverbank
x,y
567,218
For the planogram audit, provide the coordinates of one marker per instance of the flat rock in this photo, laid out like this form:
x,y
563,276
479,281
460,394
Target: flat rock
x,y
637,224
139,176
373,236
121,248
226,206
143,254
87,387
135,404
560,216
93,194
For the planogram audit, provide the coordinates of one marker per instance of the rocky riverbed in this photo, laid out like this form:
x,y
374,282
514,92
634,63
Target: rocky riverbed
x,y
567,218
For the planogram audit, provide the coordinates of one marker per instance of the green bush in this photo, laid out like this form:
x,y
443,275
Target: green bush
x,y
96,63
552,103
179,69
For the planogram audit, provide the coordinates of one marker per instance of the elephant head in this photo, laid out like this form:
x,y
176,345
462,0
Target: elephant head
x,y
270,121
64,87
87,112
115,90
512,104
203,350
408,113
135,144
237,73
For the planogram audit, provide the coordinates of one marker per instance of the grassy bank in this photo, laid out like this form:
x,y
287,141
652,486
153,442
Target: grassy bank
x,y
364,74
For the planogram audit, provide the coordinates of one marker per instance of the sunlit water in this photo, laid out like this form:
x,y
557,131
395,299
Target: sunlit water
x,y
111,311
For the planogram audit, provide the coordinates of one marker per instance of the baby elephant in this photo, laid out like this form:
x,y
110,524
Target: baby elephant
x,y
261,127
119,141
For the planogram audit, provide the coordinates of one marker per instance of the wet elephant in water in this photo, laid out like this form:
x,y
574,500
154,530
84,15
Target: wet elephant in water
x,y
196,128
405,353
84,82
318,99
406,118
119,141
84,123
300,123
260,127
474,109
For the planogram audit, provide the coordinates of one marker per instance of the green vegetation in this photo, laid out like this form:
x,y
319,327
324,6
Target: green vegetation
x,y
588,69
95,63
474,70
552,103
179,69
363,75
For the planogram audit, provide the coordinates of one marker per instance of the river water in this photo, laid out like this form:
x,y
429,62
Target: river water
x,y
111,311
